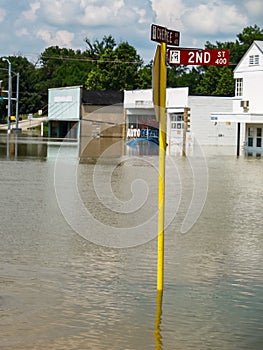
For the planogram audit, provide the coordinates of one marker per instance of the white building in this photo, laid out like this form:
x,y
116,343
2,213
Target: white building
x,y
141,123
247,107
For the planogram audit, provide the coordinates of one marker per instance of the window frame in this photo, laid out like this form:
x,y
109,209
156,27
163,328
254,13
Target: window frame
x,y
239,87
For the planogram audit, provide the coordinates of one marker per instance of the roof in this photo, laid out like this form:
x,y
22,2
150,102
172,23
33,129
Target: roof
x,y
102,97
259,44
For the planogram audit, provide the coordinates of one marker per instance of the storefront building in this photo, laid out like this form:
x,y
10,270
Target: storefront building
x,y
142,126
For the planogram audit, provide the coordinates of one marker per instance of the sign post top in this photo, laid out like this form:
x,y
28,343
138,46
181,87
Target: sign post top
x,y
164,35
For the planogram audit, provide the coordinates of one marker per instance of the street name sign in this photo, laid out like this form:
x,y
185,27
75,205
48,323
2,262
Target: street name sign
x,y
198,57
164,35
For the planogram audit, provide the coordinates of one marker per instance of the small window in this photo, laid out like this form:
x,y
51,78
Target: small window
x,y
253,60
177,121
239,87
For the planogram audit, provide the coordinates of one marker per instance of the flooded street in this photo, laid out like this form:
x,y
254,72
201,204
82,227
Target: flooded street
x,y
60,291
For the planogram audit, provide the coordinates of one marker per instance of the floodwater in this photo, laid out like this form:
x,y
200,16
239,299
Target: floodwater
x,y
60,290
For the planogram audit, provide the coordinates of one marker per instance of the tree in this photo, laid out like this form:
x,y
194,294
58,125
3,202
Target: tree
x,y
217,81
97,48
183,76
117,67
240,46
26,72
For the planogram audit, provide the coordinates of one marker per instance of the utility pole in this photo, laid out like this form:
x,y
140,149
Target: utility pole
x,y
9,92
17,98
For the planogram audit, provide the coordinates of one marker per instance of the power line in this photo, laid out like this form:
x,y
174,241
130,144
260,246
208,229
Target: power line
x,y
99,60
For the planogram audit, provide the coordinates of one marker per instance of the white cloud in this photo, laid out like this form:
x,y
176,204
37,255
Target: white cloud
x,y
60,38
169,13
254,7
2,14
22,32
37,24
212,18
30,15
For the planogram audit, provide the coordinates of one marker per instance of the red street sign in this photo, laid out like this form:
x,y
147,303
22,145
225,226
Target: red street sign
x,y
164,35
199,57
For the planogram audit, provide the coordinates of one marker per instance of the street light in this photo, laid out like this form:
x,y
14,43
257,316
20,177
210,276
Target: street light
x,y
9,92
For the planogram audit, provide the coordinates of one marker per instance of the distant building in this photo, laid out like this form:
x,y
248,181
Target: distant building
x,y
142,124
64,112
102,124
246,112
113,123
95,118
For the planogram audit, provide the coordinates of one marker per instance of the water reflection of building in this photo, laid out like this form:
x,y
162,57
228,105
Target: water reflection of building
x,y
14,147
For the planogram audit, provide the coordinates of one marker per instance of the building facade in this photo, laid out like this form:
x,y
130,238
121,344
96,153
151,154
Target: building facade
x,y
142,124
93,118
64,112
247,106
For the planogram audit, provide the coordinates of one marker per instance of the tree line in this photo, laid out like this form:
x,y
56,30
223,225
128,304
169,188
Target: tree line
x,y
106,65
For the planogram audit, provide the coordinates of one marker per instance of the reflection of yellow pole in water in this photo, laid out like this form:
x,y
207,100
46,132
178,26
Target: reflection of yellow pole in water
x,y
157,333
161,180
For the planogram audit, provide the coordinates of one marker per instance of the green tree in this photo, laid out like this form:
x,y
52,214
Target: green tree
x,y
144,80
26,72
117,67
239,47
217,81
225,85
182,76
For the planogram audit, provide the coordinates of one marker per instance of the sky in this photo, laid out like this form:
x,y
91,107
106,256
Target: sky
x,y
28,27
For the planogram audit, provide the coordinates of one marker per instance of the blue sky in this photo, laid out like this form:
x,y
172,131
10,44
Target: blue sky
x,y
27,27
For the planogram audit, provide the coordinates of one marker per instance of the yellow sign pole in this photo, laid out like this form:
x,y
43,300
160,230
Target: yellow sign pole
x,y
161,178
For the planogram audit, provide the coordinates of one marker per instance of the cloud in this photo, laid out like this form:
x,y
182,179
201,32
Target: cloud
x,y
2,14
62,38
37,24
214,18
254,8
169,13
31,15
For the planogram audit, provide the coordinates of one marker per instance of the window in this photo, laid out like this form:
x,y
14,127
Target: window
x,y
250,137
177,121
239,87
253,60
259,137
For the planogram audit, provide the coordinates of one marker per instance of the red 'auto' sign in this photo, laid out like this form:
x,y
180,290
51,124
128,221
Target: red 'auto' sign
x,y
199,57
